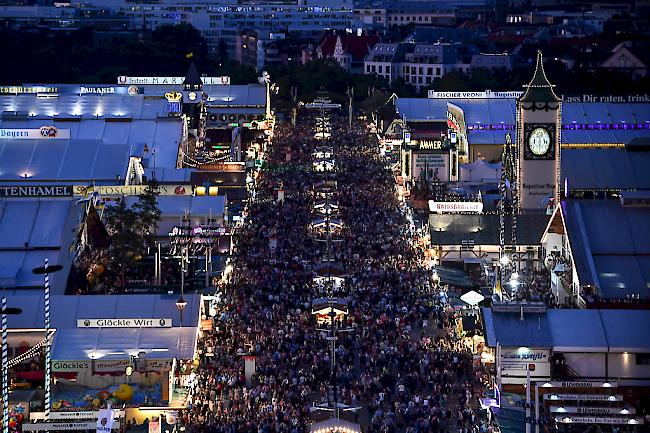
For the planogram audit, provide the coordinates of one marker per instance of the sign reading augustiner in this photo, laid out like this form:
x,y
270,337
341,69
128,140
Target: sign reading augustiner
x,y
124,323
35,191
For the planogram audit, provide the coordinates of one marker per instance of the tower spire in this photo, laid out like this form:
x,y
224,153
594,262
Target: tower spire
x,y
539,89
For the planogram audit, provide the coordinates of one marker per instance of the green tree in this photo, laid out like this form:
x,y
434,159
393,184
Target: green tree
x,y
148,214
127,246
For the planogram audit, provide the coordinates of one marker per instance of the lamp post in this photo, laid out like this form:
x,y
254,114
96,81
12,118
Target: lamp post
x,y
46,270
5,363
128,372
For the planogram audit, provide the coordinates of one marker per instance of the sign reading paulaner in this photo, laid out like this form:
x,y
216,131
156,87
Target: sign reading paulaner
x,y
124,323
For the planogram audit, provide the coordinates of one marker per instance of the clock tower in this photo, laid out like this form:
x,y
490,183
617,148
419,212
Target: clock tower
x,y
192,97
539,112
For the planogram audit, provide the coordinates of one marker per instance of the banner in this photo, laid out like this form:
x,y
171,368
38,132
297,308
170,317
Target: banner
x,y
105,421
81,414
455,206
456,123
42,133
109,366
65,426
26,190
124,323
120,190
172,81
432,94
154,425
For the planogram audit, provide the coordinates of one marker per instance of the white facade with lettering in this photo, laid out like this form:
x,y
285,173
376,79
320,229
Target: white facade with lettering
x,y
124,323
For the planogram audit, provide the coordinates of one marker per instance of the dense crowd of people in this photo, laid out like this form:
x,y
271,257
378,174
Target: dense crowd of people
x,y
402,364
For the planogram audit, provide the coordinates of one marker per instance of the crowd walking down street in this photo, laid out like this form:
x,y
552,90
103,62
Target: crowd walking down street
x,y
402,363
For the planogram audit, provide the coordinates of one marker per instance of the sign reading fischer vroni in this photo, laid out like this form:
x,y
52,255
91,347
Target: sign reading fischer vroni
x,y
124,323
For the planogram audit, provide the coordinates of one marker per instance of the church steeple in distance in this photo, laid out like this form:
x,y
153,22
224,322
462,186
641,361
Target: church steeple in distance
x,y
539,89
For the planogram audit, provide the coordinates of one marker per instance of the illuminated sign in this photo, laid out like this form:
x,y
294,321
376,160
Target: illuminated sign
x,y
35,191
42,133
227,167
80,414
429,144
621,99
15,90
120,190
455,206
97,90
108,365
456,122
124,323
598,420
524,354
197,235
172,81
65,426
474,95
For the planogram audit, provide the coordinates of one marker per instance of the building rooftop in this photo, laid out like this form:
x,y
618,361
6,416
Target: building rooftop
x,y
570,330
483,229
615,258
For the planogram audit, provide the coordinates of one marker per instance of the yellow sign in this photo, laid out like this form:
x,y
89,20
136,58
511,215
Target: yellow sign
x,y
119,190
173,96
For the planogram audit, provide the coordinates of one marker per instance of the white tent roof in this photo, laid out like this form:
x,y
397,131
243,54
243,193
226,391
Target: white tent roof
x,y
118,343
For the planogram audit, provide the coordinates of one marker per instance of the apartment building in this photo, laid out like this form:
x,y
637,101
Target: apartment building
x,y
418,64
217,22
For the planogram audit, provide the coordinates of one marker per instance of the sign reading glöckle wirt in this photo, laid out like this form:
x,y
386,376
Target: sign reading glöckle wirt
x,y
124,323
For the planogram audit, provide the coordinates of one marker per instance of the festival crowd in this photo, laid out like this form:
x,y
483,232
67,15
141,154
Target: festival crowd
x,y
402,364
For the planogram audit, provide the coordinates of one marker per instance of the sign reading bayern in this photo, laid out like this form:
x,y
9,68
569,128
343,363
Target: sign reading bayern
x,y
124,323
455,206
42,133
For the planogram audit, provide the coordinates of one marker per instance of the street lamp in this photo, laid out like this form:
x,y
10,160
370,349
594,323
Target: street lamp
x,y
128,372
181,304
4,311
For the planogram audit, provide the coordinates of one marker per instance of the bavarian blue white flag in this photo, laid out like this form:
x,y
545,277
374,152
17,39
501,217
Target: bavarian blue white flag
x,y
105,420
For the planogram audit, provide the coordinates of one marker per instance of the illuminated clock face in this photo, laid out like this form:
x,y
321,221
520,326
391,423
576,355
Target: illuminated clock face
x,y
539,141
192,96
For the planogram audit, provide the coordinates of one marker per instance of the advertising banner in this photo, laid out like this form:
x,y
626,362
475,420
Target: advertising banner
x,y
429,165
124,323
42,133
26,190
455,206
456,123
120,190
105,421
173,81
474,95
109,366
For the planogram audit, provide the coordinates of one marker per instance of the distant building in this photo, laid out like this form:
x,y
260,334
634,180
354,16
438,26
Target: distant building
x,y
492,61
349,50
625,58
220,23
405,13
418,64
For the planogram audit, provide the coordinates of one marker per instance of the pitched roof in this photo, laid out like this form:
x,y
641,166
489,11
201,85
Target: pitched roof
x,y
570,330
615,258
193,77
539,89
357,46
483,229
